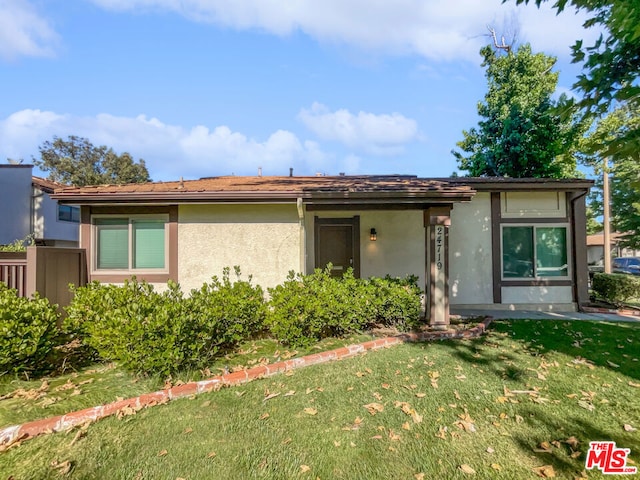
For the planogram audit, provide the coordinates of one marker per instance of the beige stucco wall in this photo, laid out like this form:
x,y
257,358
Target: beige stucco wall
x,y
399,249
264,240
470,268
537,295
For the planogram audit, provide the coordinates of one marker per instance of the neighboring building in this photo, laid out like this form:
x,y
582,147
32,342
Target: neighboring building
x,y
595,248
473,242
26,208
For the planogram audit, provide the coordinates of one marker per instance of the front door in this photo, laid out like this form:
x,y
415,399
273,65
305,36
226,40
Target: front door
x,y
337,242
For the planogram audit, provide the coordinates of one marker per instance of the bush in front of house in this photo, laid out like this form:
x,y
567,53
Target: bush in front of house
x,y
223,313
141,329
28,331
615,288
307,308
398,301
162,333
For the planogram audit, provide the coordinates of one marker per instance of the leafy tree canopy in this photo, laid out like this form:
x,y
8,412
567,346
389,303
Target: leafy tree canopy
x,y
624,169
76,161
521,132
610,66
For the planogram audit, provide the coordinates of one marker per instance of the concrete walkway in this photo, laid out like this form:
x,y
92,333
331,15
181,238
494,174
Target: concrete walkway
x,y
532,314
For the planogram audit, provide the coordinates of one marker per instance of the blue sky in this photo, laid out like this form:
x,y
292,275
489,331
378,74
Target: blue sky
x,y
211,87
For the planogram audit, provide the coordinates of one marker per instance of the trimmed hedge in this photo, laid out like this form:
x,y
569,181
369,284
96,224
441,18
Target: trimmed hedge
x,y
28,330
615,288
150,332
307,308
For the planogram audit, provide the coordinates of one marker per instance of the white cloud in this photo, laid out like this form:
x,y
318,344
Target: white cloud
x,y
377,134
170,151
24,32
435,29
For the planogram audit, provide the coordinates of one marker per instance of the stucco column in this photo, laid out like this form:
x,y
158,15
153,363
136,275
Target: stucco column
x,y
437,221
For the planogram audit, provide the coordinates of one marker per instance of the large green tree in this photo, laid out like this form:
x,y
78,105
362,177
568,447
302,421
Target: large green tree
x,y
521,132
76,161
611,65
623,168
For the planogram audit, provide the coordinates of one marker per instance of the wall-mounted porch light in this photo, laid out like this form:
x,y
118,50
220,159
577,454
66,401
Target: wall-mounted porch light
x,y
373,235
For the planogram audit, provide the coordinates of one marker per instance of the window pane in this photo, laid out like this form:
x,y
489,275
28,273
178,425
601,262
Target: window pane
x,y
113,243
517,252
551,252
148,244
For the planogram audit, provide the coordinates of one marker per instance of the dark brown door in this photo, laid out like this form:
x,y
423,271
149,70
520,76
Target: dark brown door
x,y
337,243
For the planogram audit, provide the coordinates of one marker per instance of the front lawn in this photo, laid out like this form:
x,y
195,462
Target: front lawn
x,y
522,402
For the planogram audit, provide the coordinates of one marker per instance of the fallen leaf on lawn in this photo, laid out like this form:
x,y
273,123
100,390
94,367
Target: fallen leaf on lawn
x,y
386,386
461,377
289,393
187,430
376,437
628,428
239,394
305,468
374,408
586,405
546,471
575,453
418,476
162,453
421,395
270,396
309,390
211,454
336,443
62,467
572,441
543,447
264,416
633,384
611,364
407,426
310,411
490,450
496,466
84,382
467,469
205,404
394,436
442,433
67,386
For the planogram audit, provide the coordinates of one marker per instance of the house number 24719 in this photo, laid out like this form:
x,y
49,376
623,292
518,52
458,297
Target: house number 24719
x,y
439,246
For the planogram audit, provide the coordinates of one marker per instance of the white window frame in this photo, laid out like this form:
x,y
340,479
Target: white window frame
x,y
130,218
533,225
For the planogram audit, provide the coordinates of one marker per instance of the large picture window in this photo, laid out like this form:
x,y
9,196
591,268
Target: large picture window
x,y
534,251
130,243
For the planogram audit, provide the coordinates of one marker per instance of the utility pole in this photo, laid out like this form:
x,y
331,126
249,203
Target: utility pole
x,y
605,207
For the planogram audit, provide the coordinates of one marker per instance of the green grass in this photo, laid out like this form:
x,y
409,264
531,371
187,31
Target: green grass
x,y
586,376
92,385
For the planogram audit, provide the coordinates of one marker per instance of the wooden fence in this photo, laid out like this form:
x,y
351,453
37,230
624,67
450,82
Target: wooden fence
x,y
46,270
13,271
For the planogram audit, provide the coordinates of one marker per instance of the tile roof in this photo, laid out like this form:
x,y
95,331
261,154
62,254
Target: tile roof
x,y
45,185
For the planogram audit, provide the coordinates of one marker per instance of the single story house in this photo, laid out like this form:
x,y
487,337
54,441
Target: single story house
x,y
473,242
595,248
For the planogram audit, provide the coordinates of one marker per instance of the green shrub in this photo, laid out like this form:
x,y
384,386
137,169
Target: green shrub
x,y
224,313
28,329
397,301
307,308
150,332
615,287
132,324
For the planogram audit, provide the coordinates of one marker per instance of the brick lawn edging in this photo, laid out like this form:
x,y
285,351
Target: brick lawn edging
x,y
16,433
626,312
